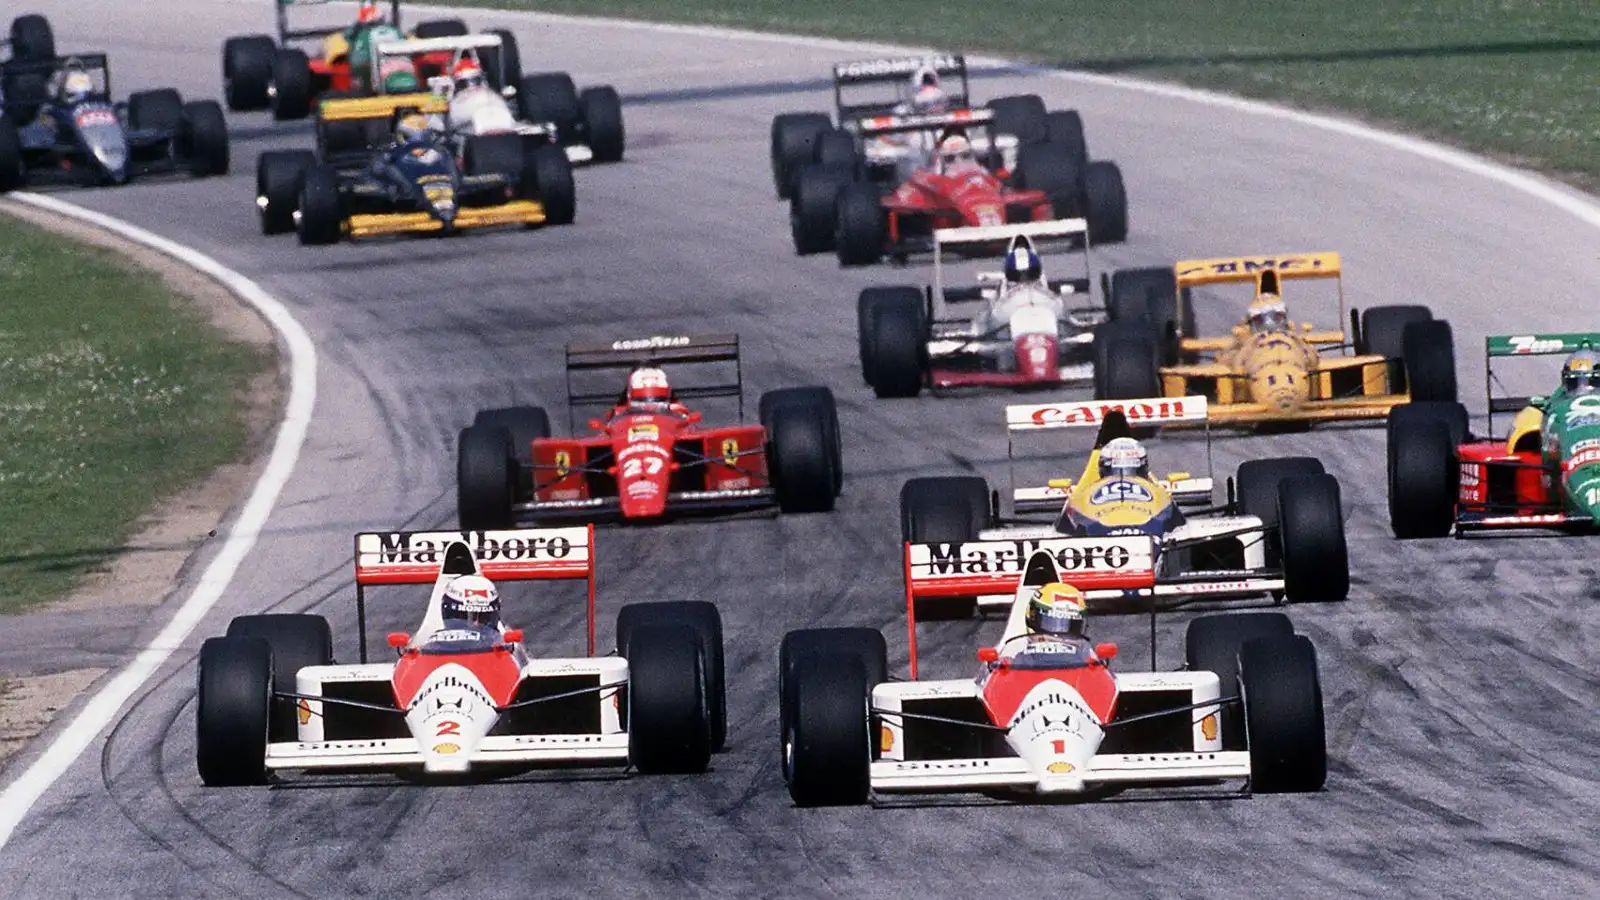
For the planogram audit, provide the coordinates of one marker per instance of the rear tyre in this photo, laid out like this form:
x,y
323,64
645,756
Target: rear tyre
x,y
205,138
1023,115
827,742
946,509
291,85
1051,169
523,425
553,181
793,137
1151,295
551,97
1283,714
1212,643
437,28
1125,362
1428,350
1383,329
502,65
802,453
13,172
32,38
813,206
233,711
817,398
1064,129
860,226
1424,472
1316,559
486,477
669,709
865,646
897,345
157,110
602,123
247,71
868,301
706,623
836,149
321,207
1106,203
1256,485
298,641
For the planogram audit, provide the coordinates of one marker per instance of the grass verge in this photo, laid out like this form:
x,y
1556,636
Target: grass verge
x,y
1517,78
113,394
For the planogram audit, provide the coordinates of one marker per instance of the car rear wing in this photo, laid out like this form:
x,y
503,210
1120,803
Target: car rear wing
x,y
524,554
1512,345
15,99
287,34
878,126
657,350
897,70
1071,234
977,568
1235,269
386,107
459,46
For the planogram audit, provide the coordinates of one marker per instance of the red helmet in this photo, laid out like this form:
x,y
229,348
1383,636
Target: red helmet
x,y
467,73
369,13
649,386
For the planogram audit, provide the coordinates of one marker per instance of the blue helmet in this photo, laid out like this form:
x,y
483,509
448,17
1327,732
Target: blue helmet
x,y
1022,263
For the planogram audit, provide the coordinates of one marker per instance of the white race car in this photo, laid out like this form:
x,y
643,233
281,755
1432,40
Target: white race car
x,y
459,697
1046,715
587,125
1280,535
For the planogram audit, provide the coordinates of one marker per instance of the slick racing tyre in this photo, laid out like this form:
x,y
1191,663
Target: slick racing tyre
x,y
247,71
669,708
552,178
793,138
1428,351
706,622
819,398
1105,203
292,92
1051,169
13,171
1125,361
1256,494
896,345
278,176
602,123
1424,471
321,207
1151,295
803,455
864,646
827,757
486,478
1022,115
551,97
32,39
298,641
1316,559
866,304
1064,129
204,138
836,149
157,110
523,425
1211,644
945,509
860,225
502,65
1284,723
812,207
438,28
1383,329
233,711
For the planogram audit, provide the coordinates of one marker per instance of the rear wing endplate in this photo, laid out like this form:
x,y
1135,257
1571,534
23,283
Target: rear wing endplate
x,y
525,554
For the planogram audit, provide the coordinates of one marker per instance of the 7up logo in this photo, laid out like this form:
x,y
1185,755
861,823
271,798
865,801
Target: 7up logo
x,y
1529,343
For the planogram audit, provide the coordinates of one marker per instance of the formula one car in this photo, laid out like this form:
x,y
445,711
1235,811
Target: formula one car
x,y
587,126
462,695
1543,474
1280,535
1026,336
260,72
367,180
1269,369
649,457
1046,715
60,125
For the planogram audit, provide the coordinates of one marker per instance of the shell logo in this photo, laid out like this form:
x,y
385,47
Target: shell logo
x,y
1060,768
446,748
885,740
1208,727
303,709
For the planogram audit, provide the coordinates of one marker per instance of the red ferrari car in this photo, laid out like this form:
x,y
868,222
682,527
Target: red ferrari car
x,y
650,457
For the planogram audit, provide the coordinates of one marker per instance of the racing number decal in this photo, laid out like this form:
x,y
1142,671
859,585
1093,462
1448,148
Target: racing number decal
x,y
1059,746
649,465
730,450
563,463
449,728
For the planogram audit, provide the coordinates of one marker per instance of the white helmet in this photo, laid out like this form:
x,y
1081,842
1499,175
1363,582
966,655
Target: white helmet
x,y
76,86
473,598
927,97
955,152
1124,457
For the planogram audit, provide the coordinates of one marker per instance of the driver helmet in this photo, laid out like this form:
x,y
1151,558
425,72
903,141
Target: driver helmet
x,y
1581,372
472,598
927,98
648,388
398,77
467,74
1056,609
1022,263
955,154
1124,457
76,86
1267,313
370,13
412,127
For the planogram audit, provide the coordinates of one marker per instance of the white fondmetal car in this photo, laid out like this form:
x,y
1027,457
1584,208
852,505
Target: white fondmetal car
x,y
1046,715
461,697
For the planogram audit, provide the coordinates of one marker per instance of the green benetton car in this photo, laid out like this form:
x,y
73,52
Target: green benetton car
x,y
1545,473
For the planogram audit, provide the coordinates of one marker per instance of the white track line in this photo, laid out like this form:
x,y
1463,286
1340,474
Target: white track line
x,y
102,709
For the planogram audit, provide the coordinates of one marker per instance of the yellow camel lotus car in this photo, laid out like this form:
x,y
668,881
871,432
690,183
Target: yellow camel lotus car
x,y
1269,367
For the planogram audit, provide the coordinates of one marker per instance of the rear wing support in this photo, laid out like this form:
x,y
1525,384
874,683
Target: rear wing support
x,y
526,554
654,351
1499,346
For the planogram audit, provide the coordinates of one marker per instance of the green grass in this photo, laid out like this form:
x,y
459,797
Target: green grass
x,y
1518,78
113,394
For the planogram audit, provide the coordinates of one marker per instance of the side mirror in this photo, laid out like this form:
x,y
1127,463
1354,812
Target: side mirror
x,y
692,418
513,636
399,639
1539,402
1064,484
988,655
1179,476
1107,651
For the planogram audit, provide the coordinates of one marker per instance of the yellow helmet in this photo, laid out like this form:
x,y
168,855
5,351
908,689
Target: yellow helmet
x,y
412,127
1057,608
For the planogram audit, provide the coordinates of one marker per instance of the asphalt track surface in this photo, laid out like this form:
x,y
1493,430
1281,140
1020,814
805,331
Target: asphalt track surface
x,y
1460,692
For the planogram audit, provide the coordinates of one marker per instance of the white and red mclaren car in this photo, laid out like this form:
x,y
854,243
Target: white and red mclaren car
x,y
459,696
1047,715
